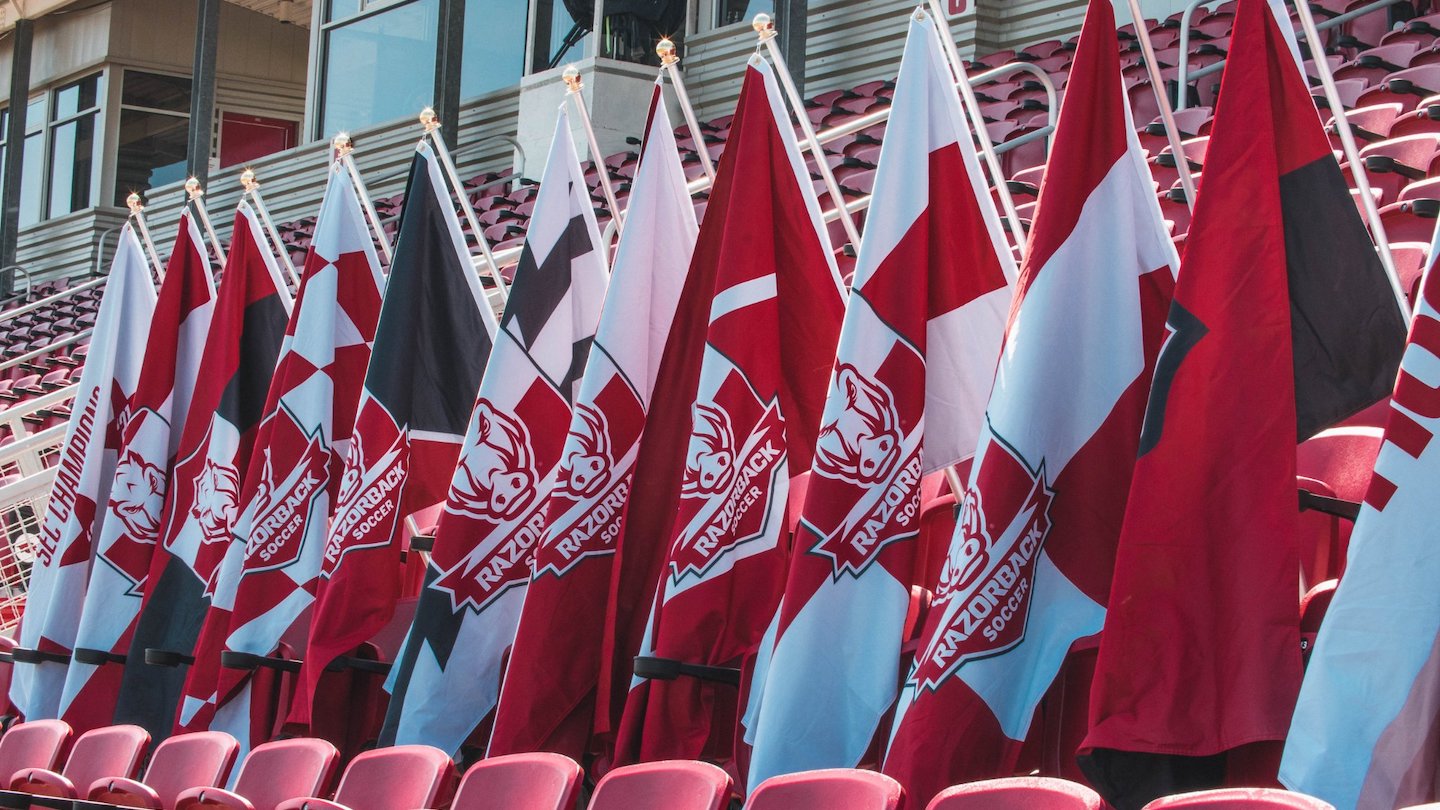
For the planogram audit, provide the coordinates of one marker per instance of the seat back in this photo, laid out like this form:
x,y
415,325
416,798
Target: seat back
x,y
400,778
1240,799
1018,793
107,751
200,759
286,769
833,789
35,744
520,782
669,785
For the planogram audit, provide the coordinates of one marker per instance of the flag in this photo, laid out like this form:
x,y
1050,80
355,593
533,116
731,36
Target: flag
x,y
1283,323
201,501
151,424
267,578
75,513
773,323
916,359
447,678
435,336
1028,569
547,701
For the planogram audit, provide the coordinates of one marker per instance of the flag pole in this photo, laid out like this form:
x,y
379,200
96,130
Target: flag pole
x,y
137,213
977,125
431,123
670,67
1167,110
196,196
1352,155
765,29
343,147
251,186
575,83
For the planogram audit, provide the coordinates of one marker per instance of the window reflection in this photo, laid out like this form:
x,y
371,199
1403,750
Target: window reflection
x,y
154,123
494,52
379,67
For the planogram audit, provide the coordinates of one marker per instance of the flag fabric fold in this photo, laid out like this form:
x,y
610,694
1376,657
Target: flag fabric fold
x,y
434,338
547,699
152,423
1028,570
773,322
266,582
75,514
447,679
914,367
1283,323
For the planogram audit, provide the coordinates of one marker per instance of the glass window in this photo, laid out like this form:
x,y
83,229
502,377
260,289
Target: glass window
x,y
154,124
494,50
730,12
72,145
155,91
559,35
379,67
32,180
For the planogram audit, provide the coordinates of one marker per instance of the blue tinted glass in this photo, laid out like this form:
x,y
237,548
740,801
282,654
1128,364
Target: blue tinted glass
x,y
494,50
380,68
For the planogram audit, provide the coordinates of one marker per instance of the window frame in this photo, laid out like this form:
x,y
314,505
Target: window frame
x,y
44,134
322,64
121,107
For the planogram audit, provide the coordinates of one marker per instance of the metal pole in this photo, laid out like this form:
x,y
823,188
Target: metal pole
x,y
1167,113
572,80
977,123
1181,70
670,65
343,147
448,64
137,213
252,187
202,93
195,194
790,22
442,151
765,28
1352,154
15,144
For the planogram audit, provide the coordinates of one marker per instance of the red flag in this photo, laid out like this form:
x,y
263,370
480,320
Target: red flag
x,y
1283,322
773,323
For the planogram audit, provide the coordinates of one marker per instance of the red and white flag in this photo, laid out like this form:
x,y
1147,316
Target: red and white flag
x,y
268,577
1028,572
152,422
913,371
775,312
75,513
547,702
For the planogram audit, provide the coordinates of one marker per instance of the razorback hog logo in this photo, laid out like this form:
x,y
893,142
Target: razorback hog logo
x,y
861,443
137,495
710,457
217,493
588,457
985,587
496,478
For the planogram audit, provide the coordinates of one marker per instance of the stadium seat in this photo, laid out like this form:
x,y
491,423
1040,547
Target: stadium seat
x,y
400,778
35,744
98,753
271,774
520,782
1313,606
669,785
201,759
1239,799
834,789
1342,457
1018,793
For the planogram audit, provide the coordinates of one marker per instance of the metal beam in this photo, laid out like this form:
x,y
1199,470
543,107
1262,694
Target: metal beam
x,y
202,89
449,62
15,148
790,22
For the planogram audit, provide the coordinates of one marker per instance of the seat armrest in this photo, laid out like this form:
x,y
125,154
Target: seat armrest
x,y
212,797
124,792
311,804
40,782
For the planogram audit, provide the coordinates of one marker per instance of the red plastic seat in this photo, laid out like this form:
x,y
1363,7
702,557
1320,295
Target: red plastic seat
x,y
1378,62
401,778
201,759
833,789
1313,606
271,774
98,753
1342,457
1018,793
1406,87
520,782
1239,799
669,785
35,744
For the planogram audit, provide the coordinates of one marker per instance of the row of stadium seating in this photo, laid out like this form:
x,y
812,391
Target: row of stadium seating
x,y
189,771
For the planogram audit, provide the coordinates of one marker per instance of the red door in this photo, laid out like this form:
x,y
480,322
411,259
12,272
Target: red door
x,y
246,137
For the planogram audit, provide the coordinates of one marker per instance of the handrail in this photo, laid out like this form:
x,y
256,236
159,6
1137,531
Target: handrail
x,y
46,349
29,282
29,406
35,441
52,298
